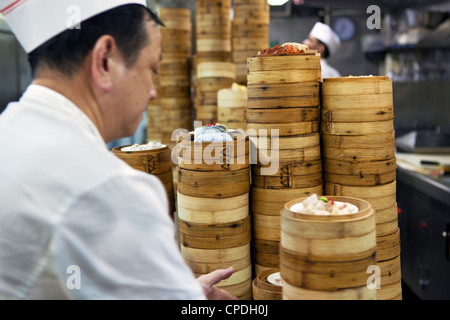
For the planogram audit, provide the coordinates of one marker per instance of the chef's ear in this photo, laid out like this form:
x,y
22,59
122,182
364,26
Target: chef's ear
x,y
106,57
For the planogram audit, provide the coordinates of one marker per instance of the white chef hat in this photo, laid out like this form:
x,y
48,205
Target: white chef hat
x,y
325,34
36,21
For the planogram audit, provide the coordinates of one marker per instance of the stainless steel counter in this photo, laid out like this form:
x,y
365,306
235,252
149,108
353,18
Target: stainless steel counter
x,y
424,221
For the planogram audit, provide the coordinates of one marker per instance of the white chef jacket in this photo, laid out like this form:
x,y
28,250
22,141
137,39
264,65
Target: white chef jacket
x,y
328,71
76,222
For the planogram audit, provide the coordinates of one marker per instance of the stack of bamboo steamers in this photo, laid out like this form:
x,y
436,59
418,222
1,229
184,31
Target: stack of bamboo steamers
x,y
358,143
213,69
250,33
213,209
175,73
283,98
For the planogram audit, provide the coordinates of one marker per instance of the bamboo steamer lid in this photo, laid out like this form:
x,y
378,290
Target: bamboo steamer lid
x,y
265,290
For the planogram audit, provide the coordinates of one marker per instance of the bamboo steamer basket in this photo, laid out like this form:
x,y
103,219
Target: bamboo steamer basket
x,y
287,181
286,114
250,31
232,108
241,56
241,73
359,168
352,115
266,205
286,95
267,142
361,179
217,69
357,92
295,168
283,155
215,255
215,236
367,141
380,197
324,276
214,156
387,221
204,184
326,257
357,128
265,290
276,63
213,45
244,44
176,18
272,200
388,246
330,238
212,211
391,287
360,293
286,129
157,162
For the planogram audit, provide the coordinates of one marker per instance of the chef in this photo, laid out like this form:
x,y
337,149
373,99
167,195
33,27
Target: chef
x,y
323,39
75,221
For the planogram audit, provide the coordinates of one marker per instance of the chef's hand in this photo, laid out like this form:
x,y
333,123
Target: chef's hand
x,y
209,280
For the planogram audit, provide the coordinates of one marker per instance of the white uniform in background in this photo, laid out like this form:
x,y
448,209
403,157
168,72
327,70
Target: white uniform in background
x,y
73,214
325,34
328,71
